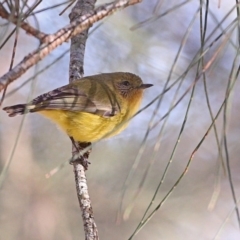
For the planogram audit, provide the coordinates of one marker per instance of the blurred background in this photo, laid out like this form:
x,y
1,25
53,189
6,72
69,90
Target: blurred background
x,y
190,50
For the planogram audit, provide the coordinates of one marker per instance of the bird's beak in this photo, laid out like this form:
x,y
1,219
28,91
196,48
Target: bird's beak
x,y
147,85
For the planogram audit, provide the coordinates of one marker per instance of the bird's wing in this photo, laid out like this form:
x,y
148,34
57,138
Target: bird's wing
x,y
72,98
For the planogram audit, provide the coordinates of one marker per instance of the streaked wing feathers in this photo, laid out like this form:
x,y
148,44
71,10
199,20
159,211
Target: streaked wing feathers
x,y
73,99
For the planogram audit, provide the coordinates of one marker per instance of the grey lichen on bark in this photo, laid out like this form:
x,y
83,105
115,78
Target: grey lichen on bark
x,y
78,42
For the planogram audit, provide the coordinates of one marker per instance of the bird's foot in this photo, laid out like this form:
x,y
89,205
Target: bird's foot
x,y
79,158
80,153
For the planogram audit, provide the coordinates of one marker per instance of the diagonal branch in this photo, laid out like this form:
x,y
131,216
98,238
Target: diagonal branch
x,y
25,26
76,27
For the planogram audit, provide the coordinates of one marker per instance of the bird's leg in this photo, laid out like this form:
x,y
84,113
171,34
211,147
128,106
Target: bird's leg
x,y
75,146
78,156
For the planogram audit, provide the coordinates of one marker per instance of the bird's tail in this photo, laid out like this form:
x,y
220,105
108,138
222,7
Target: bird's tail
x,y
19,109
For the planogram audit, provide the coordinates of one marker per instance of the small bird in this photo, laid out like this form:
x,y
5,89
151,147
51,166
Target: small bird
x,y
90,108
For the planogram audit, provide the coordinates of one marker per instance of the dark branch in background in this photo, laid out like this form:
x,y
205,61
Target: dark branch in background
x,y
61,36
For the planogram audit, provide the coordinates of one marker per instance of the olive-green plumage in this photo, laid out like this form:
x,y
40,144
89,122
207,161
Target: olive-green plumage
x,y
90,108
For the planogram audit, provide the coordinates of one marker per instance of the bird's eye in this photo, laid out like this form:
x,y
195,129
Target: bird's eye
x,y
126,83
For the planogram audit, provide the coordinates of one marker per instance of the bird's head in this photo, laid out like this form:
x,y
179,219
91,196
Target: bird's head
x,y
129,84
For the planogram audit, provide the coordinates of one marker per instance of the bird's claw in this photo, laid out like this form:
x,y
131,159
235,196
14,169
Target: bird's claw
x,y
79,158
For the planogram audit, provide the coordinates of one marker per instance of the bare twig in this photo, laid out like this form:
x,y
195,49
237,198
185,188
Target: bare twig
x,y
76,27
68,6
146,218
13,52
82,8
76,71
25,26
90,227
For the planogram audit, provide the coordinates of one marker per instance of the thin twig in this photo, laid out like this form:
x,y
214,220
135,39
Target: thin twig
x,y
25,26
156,110
144,220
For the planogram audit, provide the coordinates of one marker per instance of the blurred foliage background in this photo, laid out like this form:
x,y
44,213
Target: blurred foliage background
x,y
162,42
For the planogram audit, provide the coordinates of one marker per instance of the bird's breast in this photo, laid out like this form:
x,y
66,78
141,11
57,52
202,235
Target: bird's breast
x,y
86,127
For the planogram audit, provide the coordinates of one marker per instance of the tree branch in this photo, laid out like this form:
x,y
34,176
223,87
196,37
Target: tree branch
x,y
90,227
76,66
78,42
25,26
76,27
